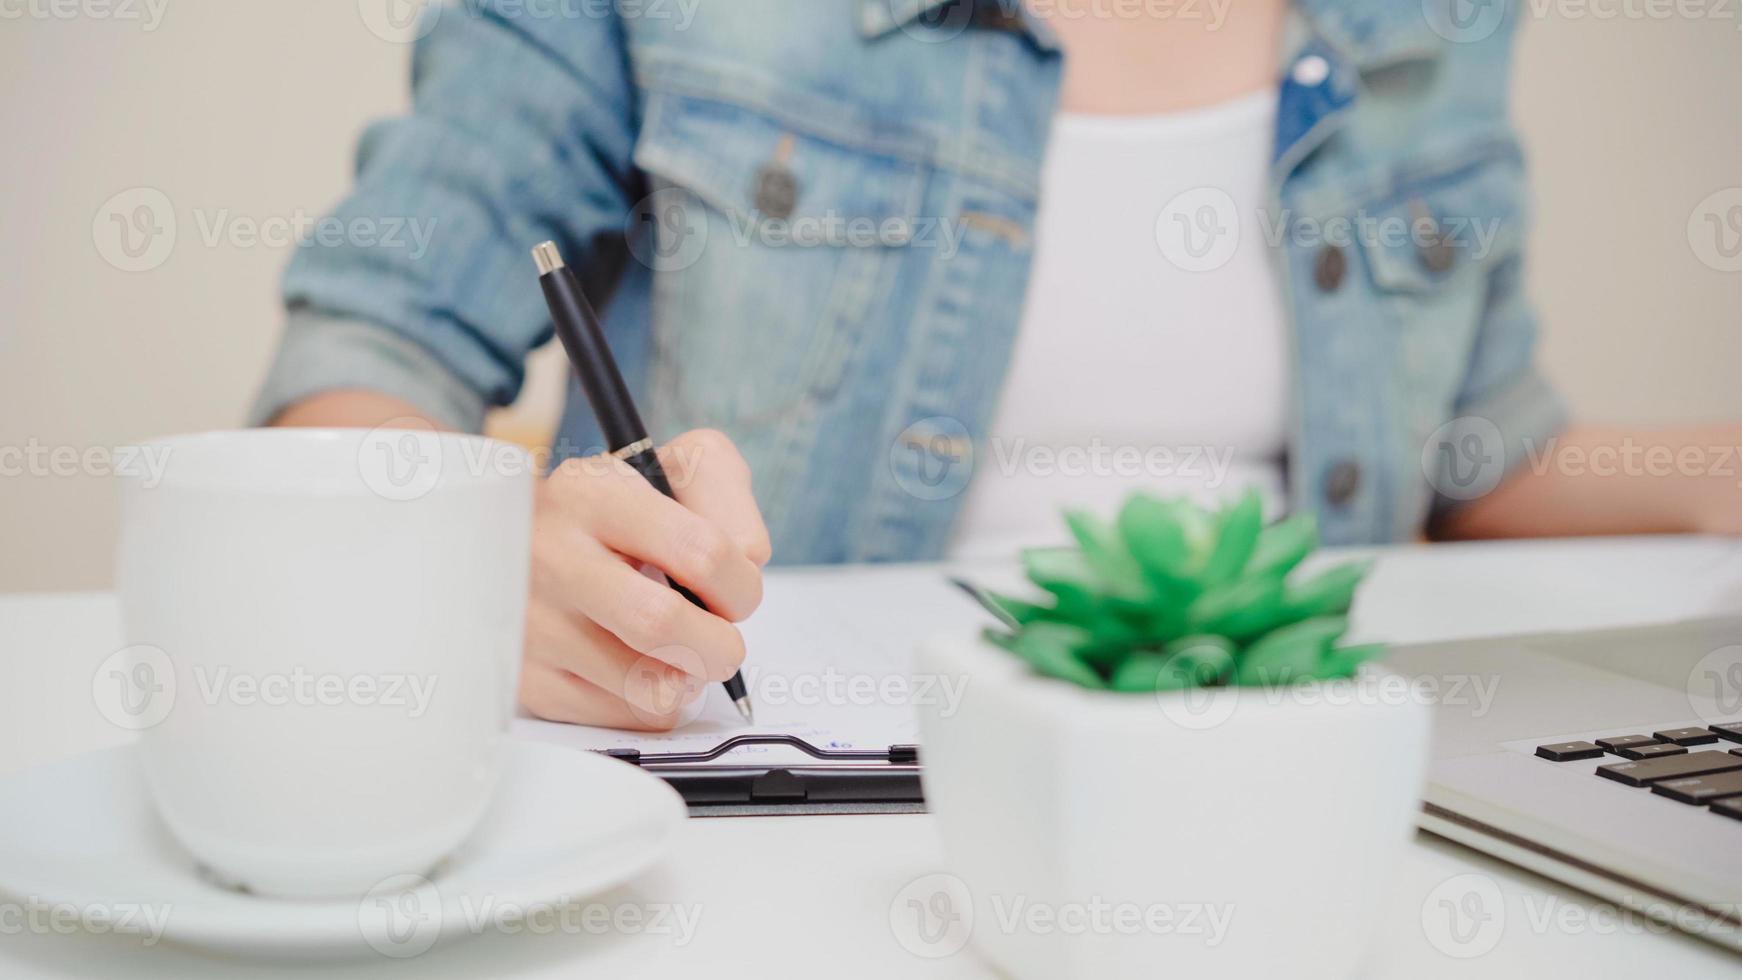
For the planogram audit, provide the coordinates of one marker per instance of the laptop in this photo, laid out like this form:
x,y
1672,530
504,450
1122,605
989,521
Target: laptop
x,y
1611,761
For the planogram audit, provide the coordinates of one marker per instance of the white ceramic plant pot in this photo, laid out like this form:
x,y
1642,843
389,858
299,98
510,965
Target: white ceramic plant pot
x,y
1240,832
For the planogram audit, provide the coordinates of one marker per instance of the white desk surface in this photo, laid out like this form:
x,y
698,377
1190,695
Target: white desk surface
x,y
810,896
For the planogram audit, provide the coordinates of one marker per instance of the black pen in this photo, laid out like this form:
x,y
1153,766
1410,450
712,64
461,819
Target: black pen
x,y
625,436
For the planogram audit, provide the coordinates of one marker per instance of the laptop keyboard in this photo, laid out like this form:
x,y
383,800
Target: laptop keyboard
x,y
1670,764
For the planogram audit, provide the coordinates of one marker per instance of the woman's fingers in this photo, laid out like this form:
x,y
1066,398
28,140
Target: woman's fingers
x,y
555,694
574,644
626,514
711,478
584,577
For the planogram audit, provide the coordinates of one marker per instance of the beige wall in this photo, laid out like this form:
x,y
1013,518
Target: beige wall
x,y
247,112
1630,126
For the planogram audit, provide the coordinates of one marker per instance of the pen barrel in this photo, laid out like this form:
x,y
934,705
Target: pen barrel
x,y
646,462
577,326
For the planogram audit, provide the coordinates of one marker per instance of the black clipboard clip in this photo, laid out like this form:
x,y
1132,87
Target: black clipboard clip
x,y
858,781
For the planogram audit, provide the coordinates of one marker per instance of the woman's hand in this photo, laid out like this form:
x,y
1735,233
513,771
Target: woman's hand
x,y
609,645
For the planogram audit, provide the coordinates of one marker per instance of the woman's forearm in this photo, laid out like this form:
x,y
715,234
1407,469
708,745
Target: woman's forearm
x,y
351,409
1592,480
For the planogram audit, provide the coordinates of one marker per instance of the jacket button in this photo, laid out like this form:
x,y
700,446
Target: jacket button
x,y
1330,267
1342,482
776,192
1436,254
1434,250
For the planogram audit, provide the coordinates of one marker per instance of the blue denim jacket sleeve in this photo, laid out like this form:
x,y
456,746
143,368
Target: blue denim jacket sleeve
x,y
521,131
1504,405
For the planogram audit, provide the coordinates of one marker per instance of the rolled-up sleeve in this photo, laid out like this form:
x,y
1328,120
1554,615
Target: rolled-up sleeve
x,y
319,353
419,283
1505,403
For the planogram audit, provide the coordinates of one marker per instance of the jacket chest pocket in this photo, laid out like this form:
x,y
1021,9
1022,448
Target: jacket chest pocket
x,y
1431,247
773,252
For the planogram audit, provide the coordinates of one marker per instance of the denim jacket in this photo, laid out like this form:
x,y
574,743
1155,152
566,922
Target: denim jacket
x,y
809,223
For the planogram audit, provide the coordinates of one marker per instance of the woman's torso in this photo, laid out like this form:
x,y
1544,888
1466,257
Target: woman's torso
x,y
837,245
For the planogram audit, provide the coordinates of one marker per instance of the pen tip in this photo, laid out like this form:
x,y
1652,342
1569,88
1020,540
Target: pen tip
x,y
745,709
546,257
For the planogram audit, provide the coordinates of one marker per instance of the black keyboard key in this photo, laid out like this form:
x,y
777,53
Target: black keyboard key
x,y
1732,731
1569,751
1670,767
1686,736
1616,743
1700,790
1731,807
1655,750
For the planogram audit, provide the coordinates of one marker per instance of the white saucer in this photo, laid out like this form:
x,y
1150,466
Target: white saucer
x,y
565,825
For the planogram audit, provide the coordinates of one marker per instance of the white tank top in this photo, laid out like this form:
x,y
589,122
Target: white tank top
x,y
1153,353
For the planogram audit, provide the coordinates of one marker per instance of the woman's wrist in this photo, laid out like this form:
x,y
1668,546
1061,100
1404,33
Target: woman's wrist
x,y
351,409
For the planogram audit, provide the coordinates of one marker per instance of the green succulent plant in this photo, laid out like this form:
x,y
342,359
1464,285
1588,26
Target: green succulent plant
x,y
1173,595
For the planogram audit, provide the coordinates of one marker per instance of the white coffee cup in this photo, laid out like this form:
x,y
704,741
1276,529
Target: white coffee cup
x,y
324,631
